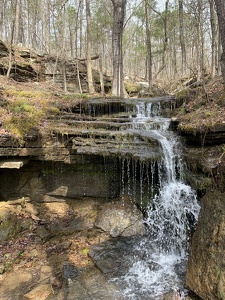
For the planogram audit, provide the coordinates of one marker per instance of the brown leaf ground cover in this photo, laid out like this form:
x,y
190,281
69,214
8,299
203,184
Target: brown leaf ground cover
x,y
203,108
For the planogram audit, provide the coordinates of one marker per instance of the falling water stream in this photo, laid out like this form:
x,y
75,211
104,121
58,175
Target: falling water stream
x,y
171,211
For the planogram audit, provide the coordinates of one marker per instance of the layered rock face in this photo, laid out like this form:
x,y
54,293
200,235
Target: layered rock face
x,y
206,272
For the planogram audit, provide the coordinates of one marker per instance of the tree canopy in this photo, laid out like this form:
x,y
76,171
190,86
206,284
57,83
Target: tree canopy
x,y
162,40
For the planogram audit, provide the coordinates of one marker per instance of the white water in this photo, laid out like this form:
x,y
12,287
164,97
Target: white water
x,y
170,213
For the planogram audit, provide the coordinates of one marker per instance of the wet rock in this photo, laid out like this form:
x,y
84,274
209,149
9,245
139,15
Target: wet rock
x,y
114,256
41,292
205,270
70,272
92,285
120,219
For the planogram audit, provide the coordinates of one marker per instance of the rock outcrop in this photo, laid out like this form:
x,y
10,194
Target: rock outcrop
x,y
205,271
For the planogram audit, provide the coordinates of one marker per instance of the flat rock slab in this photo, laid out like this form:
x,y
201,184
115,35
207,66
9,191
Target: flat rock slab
x,y
12,164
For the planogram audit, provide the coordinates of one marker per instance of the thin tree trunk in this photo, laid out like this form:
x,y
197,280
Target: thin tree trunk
x,y
214,35
81,6
149,44
17,32
11,42
165,43
89,64
76,48
182,40
200,42
220,7
78,77
101,75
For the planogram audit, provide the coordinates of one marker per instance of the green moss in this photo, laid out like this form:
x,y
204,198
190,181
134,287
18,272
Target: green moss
x,y
30,94
181,95
53,110
21,105
85,251
132,87
9,227
182,111
20,126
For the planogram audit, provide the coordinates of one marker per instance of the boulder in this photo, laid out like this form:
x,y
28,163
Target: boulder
x,y
119,219
10,224
206,265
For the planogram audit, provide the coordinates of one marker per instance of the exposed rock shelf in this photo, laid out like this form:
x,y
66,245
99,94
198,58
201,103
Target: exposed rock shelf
x,y
101,127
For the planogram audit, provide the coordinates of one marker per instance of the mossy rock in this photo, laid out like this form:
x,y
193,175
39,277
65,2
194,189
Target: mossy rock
x,y
183,94
10,226
132,88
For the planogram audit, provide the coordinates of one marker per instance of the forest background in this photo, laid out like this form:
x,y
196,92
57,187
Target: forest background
x,y
162,40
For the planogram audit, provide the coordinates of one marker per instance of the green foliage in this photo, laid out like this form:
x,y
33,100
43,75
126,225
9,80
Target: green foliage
x,y
85,251
21,105
182,111
73,97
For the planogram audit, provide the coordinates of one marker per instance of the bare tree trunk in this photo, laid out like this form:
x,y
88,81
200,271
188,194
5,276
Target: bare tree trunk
x,y
11,41
89,64
214,35
182,40
119,7
149,44
220,7
165,43
81,6
200,42
78,76
76,48
2,16
101,75
17,22
64,75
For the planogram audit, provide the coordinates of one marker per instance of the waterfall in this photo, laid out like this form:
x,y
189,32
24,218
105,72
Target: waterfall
x,y
170,214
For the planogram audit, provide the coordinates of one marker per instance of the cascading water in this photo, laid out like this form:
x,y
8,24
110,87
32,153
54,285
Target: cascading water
x,y
170,213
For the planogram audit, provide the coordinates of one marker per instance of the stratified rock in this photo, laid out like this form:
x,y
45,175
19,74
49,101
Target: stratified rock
x,y
120,219
205,271
41,292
